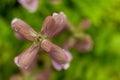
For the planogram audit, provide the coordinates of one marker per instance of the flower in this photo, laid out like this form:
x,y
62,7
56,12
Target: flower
x,y
60,57
85,44
53,25
62,66
23,30
27,58
30,5
85,24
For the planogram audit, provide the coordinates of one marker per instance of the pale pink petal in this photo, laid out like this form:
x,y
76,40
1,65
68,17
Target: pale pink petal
x,y
23,30
16,61
69,56
27,58
56,65
56,53
53,25
59,66
19,36
31,5
66,66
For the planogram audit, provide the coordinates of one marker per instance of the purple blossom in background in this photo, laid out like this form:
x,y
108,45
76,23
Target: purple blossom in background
x,y
85,24
85,44
30,5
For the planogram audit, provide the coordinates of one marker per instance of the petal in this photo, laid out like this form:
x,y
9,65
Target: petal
x,y
53,25
19,36
16,60
23,30
84,45
59,67
27,58
58,54
60,22
56,65
69,56
66,66
31,5
48,26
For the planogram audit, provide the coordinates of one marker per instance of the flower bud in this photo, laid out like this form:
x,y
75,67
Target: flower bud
x,y
31,5
56,53
53,25
27,58
85,44
23,30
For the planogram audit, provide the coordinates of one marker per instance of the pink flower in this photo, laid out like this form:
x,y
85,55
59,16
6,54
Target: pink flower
x,y
51,27
31,5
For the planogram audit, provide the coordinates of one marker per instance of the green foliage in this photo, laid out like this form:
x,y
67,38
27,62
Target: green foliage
x,y
102,63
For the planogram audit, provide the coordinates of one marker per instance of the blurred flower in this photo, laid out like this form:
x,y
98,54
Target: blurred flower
x,y
85,44
60,57
69,43
27,58
44,75
79,39
85,24
23,30
53,25
82,42
31,5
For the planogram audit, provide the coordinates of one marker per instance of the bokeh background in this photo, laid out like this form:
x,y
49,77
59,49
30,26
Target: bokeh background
x,y
102,63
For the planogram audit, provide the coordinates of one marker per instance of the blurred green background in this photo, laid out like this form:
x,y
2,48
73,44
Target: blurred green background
x,y
102,63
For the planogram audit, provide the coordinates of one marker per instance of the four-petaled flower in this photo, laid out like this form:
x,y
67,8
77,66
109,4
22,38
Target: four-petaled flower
x,y
51,27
